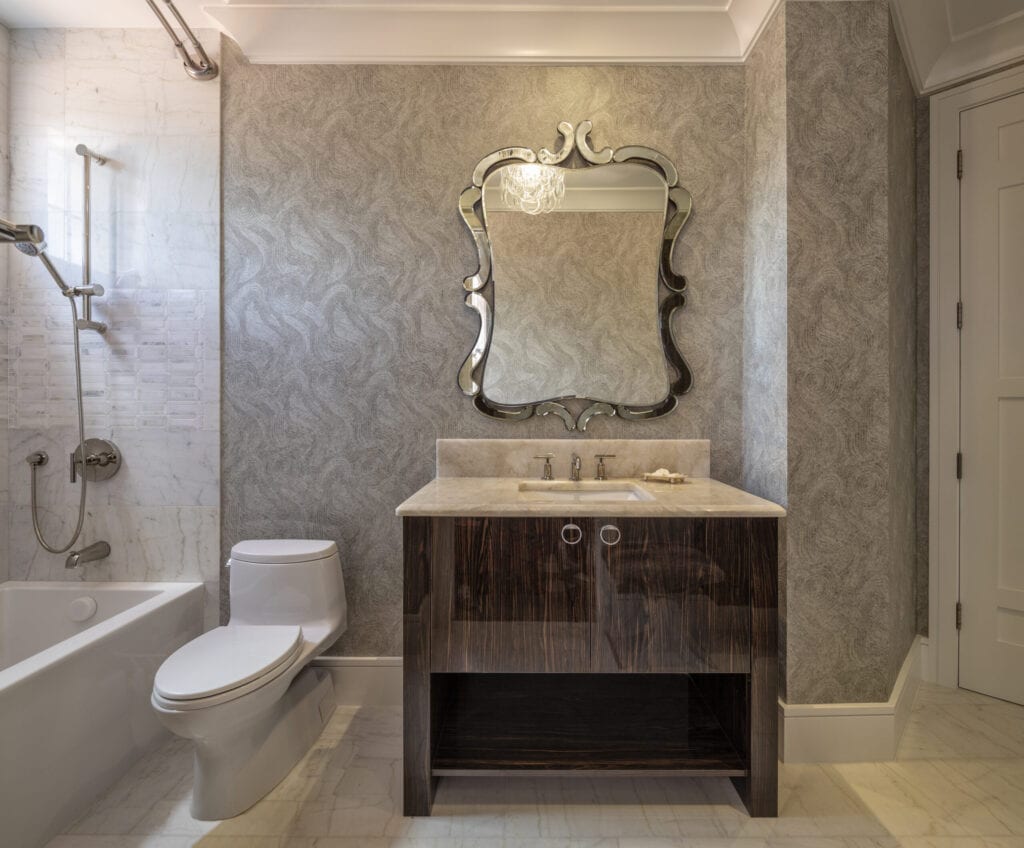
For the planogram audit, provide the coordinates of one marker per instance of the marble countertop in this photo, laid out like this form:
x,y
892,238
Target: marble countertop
x,y
698,497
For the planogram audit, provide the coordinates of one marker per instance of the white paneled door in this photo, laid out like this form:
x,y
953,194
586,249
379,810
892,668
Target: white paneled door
x,y
992,399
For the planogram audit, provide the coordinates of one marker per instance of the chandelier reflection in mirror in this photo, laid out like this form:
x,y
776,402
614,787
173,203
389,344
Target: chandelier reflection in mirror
x,y
533,189
576,308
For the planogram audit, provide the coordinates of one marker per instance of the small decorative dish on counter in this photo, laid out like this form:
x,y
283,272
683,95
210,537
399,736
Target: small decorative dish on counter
x,y
663,475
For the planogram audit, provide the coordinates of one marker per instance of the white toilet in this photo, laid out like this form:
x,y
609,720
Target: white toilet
x,y
243,692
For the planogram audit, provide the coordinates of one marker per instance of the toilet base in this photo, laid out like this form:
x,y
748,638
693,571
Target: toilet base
x,y
234,772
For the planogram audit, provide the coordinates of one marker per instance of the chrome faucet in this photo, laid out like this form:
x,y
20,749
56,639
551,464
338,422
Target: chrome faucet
x,y
91,553
574,468
602,473
547,457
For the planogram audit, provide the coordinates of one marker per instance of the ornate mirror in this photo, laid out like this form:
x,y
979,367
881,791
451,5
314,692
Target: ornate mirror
x,y
575,288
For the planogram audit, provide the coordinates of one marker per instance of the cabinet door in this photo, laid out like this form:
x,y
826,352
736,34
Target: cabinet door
x,y
673,595
512,595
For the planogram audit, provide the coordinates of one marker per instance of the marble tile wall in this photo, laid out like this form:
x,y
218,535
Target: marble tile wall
x,y
344,254
151,384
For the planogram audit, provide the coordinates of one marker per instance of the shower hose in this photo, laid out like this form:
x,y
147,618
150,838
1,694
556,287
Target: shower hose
x,y
58,549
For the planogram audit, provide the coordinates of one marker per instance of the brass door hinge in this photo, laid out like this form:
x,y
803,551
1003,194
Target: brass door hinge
x,y
960,164
959,466
959,314
959,615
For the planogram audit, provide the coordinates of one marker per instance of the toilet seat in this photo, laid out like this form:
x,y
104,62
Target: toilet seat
x,y
225,663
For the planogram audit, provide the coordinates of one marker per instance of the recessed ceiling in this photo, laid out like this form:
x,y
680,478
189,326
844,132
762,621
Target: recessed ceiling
x,y
952,41
946,41
966,18
309,31
132,14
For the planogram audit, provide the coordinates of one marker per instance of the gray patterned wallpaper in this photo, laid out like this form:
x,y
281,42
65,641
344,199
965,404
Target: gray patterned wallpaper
x,y
578,281
850,558
764,305
922,436
344,327
902,487
5,172
343,259
765,284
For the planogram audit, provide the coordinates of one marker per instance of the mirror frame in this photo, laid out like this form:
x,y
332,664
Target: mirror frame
x,y
678,207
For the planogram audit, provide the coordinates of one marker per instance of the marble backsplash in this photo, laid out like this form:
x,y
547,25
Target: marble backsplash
x,y
515,457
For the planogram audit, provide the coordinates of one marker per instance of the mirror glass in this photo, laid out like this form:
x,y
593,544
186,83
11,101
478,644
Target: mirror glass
x,y
575,256
575,289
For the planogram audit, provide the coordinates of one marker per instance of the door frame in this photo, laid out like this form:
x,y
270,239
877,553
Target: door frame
x,y
941,661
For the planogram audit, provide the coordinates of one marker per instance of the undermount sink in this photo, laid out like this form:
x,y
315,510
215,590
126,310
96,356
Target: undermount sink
x,y
583,491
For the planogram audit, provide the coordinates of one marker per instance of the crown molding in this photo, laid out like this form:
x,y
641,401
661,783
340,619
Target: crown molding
x,y
537,32
938,58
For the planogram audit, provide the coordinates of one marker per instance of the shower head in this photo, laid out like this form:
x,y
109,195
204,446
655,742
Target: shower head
x,y
31,248
20,234
28,238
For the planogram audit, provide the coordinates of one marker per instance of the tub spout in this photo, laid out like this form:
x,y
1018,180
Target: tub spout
x,y
95,551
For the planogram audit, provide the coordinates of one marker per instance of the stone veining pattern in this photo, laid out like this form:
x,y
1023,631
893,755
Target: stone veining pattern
x,y
152,382
343,329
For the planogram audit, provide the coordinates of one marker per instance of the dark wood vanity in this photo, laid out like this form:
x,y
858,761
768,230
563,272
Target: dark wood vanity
x,y
591,646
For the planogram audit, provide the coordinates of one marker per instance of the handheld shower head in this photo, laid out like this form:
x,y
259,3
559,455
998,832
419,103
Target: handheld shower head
x,y
29,239
31,248
20,234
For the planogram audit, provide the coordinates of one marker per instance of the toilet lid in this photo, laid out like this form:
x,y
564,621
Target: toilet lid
x,y
225,658
283,550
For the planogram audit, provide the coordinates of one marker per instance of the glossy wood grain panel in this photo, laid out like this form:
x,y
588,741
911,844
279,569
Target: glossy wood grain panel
x,y
417,781
512,597
673,596
760,791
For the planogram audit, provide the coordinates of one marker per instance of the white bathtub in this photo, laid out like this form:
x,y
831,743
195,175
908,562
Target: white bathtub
x,y
74,697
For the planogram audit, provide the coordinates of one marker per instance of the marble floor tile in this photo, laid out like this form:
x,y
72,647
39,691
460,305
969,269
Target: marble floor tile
x,y
958,782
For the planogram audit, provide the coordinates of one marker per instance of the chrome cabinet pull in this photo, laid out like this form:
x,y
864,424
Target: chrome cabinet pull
x,y
572,534
610,535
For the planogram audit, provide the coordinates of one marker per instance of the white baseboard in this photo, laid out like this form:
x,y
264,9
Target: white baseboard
x,y
365,681
849,733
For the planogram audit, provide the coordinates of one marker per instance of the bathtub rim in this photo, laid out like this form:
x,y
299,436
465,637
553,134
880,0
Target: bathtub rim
x,y
65,649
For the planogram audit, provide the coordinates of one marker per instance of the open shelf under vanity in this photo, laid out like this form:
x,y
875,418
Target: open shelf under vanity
x,y
605,724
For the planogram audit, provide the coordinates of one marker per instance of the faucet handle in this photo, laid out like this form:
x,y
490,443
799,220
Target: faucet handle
x,y
601,457
547,457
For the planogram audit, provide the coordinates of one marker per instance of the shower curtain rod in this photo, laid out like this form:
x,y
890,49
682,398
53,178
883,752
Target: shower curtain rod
x,y
200,68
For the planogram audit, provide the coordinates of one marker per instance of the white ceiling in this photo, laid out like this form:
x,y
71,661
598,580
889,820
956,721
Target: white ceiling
x,y
967,17
136,13
946,41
